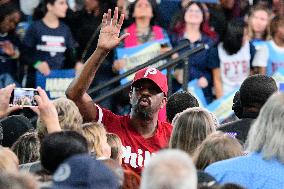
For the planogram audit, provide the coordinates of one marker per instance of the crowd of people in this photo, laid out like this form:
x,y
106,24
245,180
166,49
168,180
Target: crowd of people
x,y
72,142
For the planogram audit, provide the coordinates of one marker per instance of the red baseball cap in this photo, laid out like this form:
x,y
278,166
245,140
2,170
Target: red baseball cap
x,y
154,75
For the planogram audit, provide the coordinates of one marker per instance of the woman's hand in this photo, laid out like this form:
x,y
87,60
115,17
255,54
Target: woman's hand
x,y
47,111
5,95
8,48
43,68
202,82
178,74
165,49
118,65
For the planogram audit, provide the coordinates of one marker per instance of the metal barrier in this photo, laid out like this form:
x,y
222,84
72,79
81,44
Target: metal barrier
x,y
169,66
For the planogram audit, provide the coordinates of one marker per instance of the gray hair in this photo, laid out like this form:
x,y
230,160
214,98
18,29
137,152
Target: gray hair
x,y
267,133
171,169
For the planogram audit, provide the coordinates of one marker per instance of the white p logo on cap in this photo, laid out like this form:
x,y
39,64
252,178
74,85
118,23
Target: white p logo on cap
x,y
63,173
152,71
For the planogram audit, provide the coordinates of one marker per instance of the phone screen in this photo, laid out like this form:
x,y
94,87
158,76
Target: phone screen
x,y
23,97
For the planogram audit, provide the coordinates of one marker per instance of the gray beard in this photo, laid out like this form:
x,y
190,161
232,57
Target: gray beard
x,y
145,113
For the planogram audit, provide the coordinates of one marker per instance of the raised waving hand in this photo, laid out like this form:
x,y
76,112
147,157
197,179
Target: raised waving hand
x,y
109,34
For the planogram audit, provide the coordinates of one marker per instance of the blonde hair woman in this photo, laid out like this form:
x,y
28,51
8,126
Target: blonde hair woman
x,y
27,148
95,134
258,23
258,33
216,147
191,127
68,114
116,147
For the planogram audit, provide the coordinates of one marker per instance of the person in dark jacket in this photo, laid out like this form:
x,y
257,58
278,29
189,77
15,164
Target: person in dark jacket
x,y
254,92
9,44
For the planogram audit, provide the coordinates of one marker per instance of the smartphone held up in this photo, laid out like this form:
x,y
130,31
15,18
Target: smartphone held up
x,y
23,97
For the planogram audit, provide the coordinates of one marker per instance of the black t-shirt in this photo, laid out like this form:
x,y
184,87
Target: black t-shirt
x,y
49,44
241,127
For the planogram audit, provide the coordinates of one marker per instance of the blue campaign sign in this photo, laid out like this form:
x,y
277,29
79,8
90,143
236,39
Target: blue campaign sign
x,y
128,51
222,107
135,56
56,82
197,92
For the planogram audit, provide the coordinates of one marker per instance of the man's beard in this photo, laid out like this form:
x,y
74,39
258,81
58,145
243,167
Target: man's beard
x,y
145,113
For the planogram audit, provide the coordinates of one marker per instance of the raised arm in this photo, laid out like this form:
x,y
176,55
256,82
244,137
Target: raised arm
x,y
108,39
217,82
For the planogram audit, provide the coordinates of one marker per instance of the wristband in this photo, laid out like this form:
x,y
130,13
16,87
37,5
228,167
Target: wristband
x,y
37,63
16,54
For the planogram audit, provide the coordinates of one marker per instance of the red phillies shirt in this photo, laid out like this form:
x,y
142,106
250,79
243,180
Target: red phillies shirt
x,y
136,149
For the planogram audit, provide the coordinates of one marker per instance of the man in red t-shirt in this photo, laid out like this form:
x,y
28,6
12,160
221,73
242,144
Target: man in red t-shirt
x,y
141,132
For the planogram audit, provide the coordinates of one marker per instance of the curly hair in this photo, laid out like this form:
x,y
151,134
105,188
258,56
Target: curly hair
x,y
27,148
7,9
178,102
256,89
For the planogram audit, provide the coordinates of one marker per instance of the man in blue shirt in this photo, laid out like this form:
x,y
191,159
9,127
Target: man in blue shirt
x,y
263,167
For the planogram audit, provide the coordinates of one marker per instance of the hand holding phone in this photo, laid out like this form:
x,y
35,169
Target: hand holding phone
x,y
5,94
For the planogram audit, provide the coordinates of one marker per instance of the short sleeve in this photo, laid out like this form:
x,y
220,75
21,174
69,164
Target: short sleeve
x,y
213,60
110,120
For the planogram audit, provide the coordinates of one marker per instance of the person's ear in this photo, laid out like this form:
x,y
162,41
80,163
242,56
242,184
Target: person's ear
x,y
130,92
163,102
134,13
48,6
130,95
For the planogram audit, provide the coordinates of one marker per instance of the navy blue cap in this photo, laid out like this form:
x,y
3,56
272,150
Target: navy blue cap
x,y
84,172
